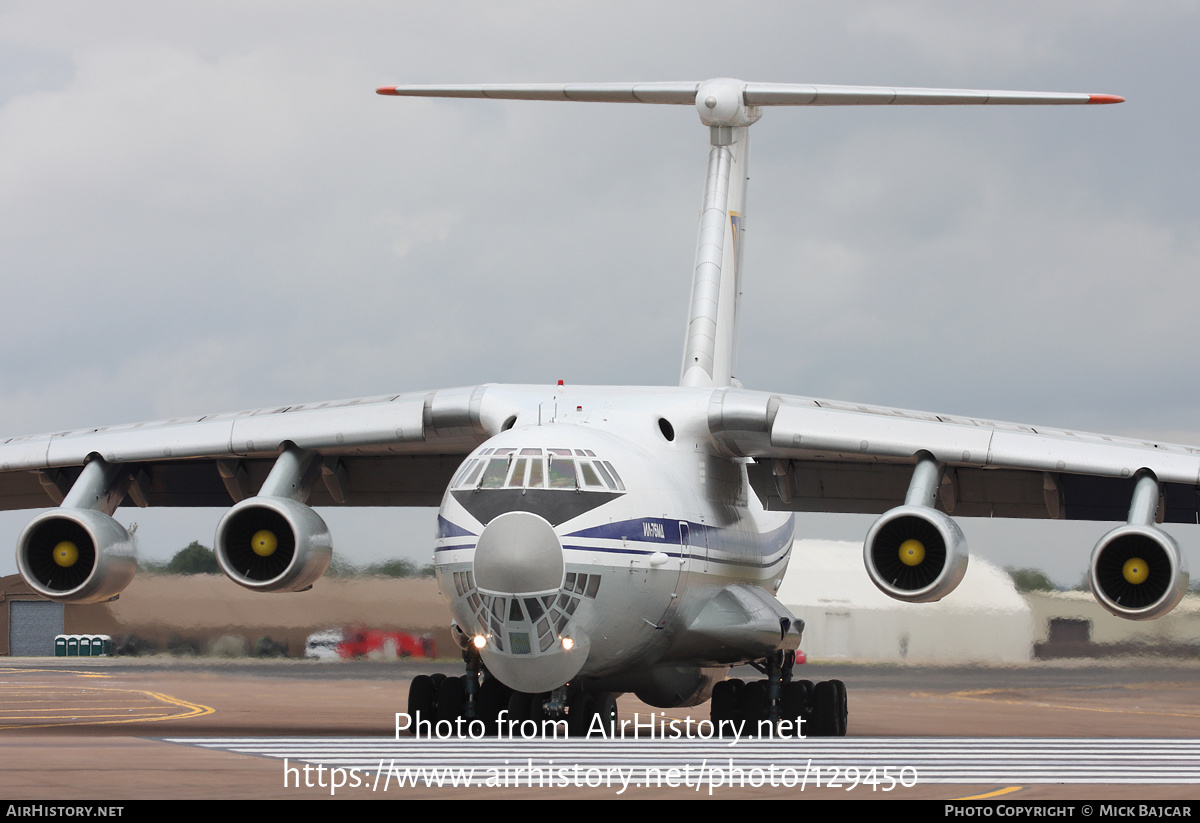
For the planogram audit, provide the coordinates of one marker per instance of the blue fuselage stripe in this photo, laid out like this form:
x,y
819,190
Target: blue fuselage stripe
x,y
767,549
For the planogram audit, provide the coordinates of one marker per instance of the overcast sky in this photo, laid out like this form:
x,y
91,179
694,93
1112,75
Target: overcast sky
x,y
206,207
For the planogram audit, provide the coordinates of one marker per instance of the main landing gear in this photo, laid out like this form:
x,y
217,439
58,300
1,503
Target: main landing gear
x,y
476,704
779,705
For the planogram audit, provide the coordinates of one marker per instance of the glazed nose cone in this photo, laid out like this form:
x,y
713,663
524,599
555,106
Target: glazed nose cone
x,y
518,553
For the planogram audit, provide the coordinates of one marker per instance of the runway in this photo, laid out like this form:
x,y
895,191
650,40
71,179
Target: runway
x,y
873,764
167,728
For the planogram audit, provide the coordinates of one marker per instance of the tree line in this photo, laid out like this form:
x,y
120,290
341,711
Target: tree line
x,y
196,558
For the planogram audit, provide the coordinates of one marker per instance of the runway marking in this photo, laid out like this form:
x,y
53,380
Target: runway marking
x,y
65,704
1000,761
988,696
989,795
77,672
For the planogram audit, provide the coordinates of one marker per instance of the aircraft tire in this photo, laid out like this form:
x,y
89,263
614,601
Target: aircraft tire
x,y
797,705
422,699
449,699
726,706
579,714
492,697
841,708
721,704
520,706
829,709
739,692
754,705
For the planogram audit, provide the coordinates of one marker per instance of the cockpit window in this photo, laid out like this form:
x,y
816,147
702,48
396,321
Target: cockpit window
x,y
545,618
462,472
607,477
493,476
616,476
518,474
527,468
473,474
562,473
590,478
537,473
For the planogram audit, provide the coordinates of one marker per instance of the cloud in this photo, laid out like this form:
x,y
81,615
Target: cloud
x,y
210,209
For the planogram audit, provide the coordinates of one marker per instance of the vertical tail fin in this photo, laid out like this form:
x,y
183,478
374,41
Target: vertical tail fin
x,y
708,352
729,107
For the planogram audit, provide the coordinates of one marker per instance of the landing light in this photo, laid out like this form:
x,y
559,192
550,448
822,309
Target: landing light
x,y
479,641
568,644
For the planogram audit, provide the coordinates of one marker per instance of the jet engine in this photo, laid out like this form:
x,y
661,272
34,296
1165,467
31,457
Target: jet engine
x,y
76,556
915,553
273,544
1137,572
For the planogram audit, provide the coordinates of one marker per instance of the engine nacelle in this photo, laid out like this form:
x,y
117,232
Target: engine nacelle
x,y
273,544
915,553
76,556
1137,572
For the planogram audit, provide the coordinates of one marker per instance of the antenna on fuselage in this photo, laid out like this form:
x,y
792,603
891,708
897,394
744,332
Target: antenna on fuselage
x,y
729,107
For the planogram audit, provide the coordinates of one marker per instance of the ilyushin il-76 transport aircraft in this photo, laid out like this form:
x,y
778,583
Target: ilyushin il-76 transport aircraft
x,y
594,541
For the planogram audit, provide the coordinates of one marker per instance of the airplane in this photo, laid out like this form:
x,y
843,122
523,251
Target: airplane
x,y
595,541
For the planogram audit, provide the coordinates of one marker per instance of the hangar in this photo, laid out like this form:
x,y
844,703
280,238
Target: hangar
x,y
984,620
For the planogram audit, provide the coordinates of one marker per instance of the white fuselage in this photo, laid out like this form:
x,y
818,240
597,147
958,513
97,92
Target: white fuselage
x,y
650,524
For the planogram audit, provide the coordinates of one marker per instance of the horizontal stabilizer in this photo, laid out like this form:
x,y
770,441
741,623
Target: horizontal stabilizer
x,y
788,94
682,94
753,94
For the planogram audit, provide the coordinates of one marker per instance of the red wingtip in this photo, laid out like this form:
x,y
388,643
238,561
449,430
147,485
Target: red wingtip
x,y
392,91
1093,98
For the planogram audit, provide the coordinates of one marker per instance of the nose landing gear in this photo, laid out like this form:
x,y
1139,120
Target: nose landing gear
x,y
477,704
474,696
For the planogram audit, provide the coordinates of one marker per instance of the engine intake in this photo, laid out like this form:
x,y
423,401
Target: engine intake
x,y
1137,572
76,556
916,554
273,544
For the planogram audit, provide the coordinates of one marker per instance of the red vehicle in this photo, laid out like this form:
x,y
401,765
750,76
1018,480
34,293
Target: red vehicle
x,y
369,643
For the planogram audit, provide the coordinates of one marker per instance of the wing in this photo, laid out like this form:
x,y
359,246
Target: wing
x,y
918,468
270,464
823,455
394,450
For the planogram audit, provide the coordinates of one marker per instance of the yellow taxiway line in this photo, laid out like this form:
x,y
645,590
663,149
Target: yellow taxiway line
x,y
18,700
